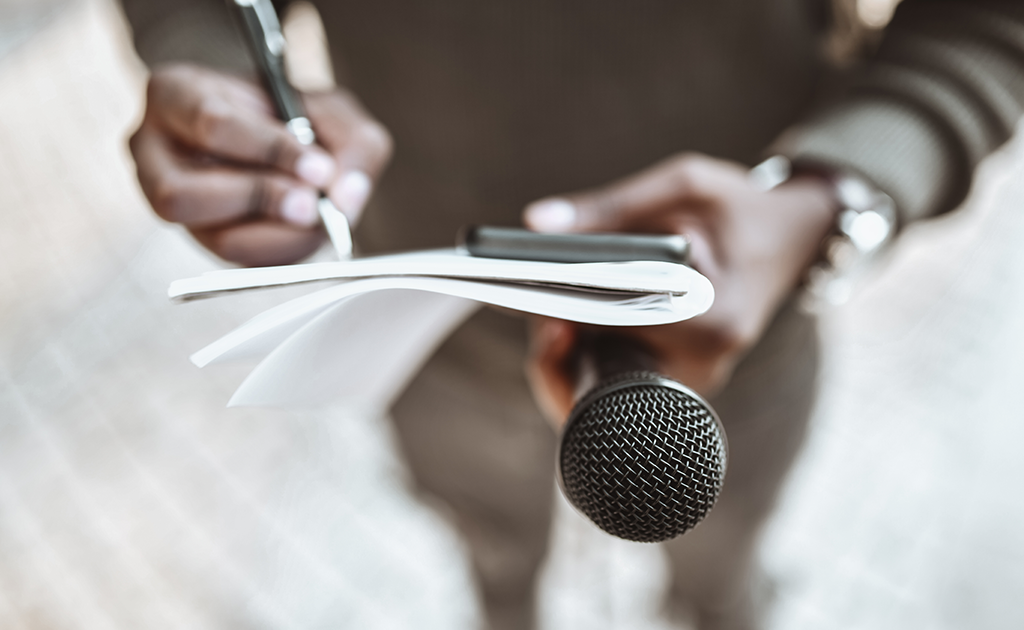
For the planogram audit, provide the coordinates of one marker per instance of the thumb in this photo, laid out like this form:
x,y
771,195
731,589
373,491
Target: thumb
x,y
598,211
614,207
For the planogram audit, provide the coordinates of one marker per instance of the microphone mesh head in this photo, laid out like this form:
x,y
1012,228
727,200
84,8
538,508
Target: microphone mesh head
x,y
642,458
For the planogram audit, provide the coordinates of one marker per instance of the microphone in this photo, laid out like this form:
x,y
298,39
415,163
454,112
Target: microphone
x,y
641,455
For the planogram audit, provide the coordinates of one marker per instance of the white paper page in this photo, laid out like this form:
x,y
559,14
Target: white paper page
x,y
263,332
364,337
338,229
641,276
363,350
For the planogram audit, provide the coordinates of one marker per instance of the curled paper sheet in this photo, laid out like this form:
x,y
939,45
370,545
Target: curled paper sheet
x,y
363,338
636,277
364,350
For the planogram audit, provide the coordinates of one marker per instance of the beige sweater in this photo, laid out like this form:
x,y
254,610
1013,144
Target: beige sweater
x,y
494,104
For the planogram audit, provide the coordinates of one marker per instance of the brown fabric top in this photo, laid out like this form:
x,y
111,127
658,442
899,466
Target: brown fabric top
x,y
494,104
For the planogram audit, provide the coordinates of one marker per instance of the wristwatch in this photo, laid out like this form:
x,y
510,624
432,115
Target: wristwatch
x,y
865,225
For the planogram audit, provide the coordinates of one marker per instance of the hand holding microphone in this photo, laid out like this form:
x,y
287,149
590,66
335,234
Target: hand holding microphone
x,y
642,455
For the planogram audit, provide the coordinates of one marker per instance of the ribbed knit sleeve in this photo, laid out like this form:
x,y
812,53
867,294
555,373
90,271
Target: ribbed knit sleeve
x,y
198,31
945,89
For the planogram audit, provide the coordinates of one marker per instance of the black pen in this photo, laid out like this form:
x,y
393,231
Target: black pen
x,y
263,33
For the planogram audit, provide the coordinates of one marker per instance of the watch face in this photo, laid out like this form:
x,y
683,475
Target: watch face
x,y
868,218
854,192
864,226
866,230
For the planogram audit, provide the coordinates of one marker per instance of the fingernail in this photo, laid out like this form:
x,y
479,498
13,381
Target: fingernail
x,y
315,168
351,193
299,207
551,215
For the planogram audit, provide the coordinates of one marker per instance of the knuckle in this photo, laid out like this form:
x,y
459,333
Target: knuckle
x,y
207,120
733,337
175,70
159,81
376,138
135,140
165,197
691,176
283,150
336,106
156,97
169,77
683,172
213,240
155,87
264,197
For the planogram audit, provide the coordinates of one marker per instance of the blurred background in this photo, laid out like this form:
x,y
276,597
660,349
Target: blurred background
x,y
130,497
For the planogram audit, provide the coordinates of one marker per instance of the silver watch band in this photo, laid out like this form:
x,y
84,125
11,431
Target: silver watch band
x,y
866,223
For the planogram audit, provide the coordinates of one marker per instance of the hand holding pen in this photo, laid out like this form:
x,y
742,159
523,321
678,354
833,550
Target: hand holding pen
x,y
267,44
213,155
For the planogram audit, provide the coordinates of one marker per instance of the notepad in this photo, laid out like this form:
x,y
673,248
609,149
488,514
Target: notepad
x,y
369,323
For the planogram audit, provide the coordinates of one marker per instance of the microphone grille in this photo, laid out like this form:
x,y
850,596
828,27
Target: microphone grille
x,y
642,457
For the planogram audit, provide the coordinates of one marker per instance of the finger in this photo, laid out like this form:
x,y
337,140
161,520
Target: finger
x,y
216,194
692,354
691,179
260,243
218,117
360,146
551,345
353,137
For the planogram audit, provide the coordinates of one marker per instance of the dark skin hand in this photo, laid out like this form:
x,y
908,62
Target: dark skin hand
x,y
753,245
211,155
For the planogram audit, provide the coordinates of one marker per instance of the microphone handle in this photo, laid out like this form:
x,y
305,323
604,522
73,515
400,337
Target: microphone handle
x,y
601,355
